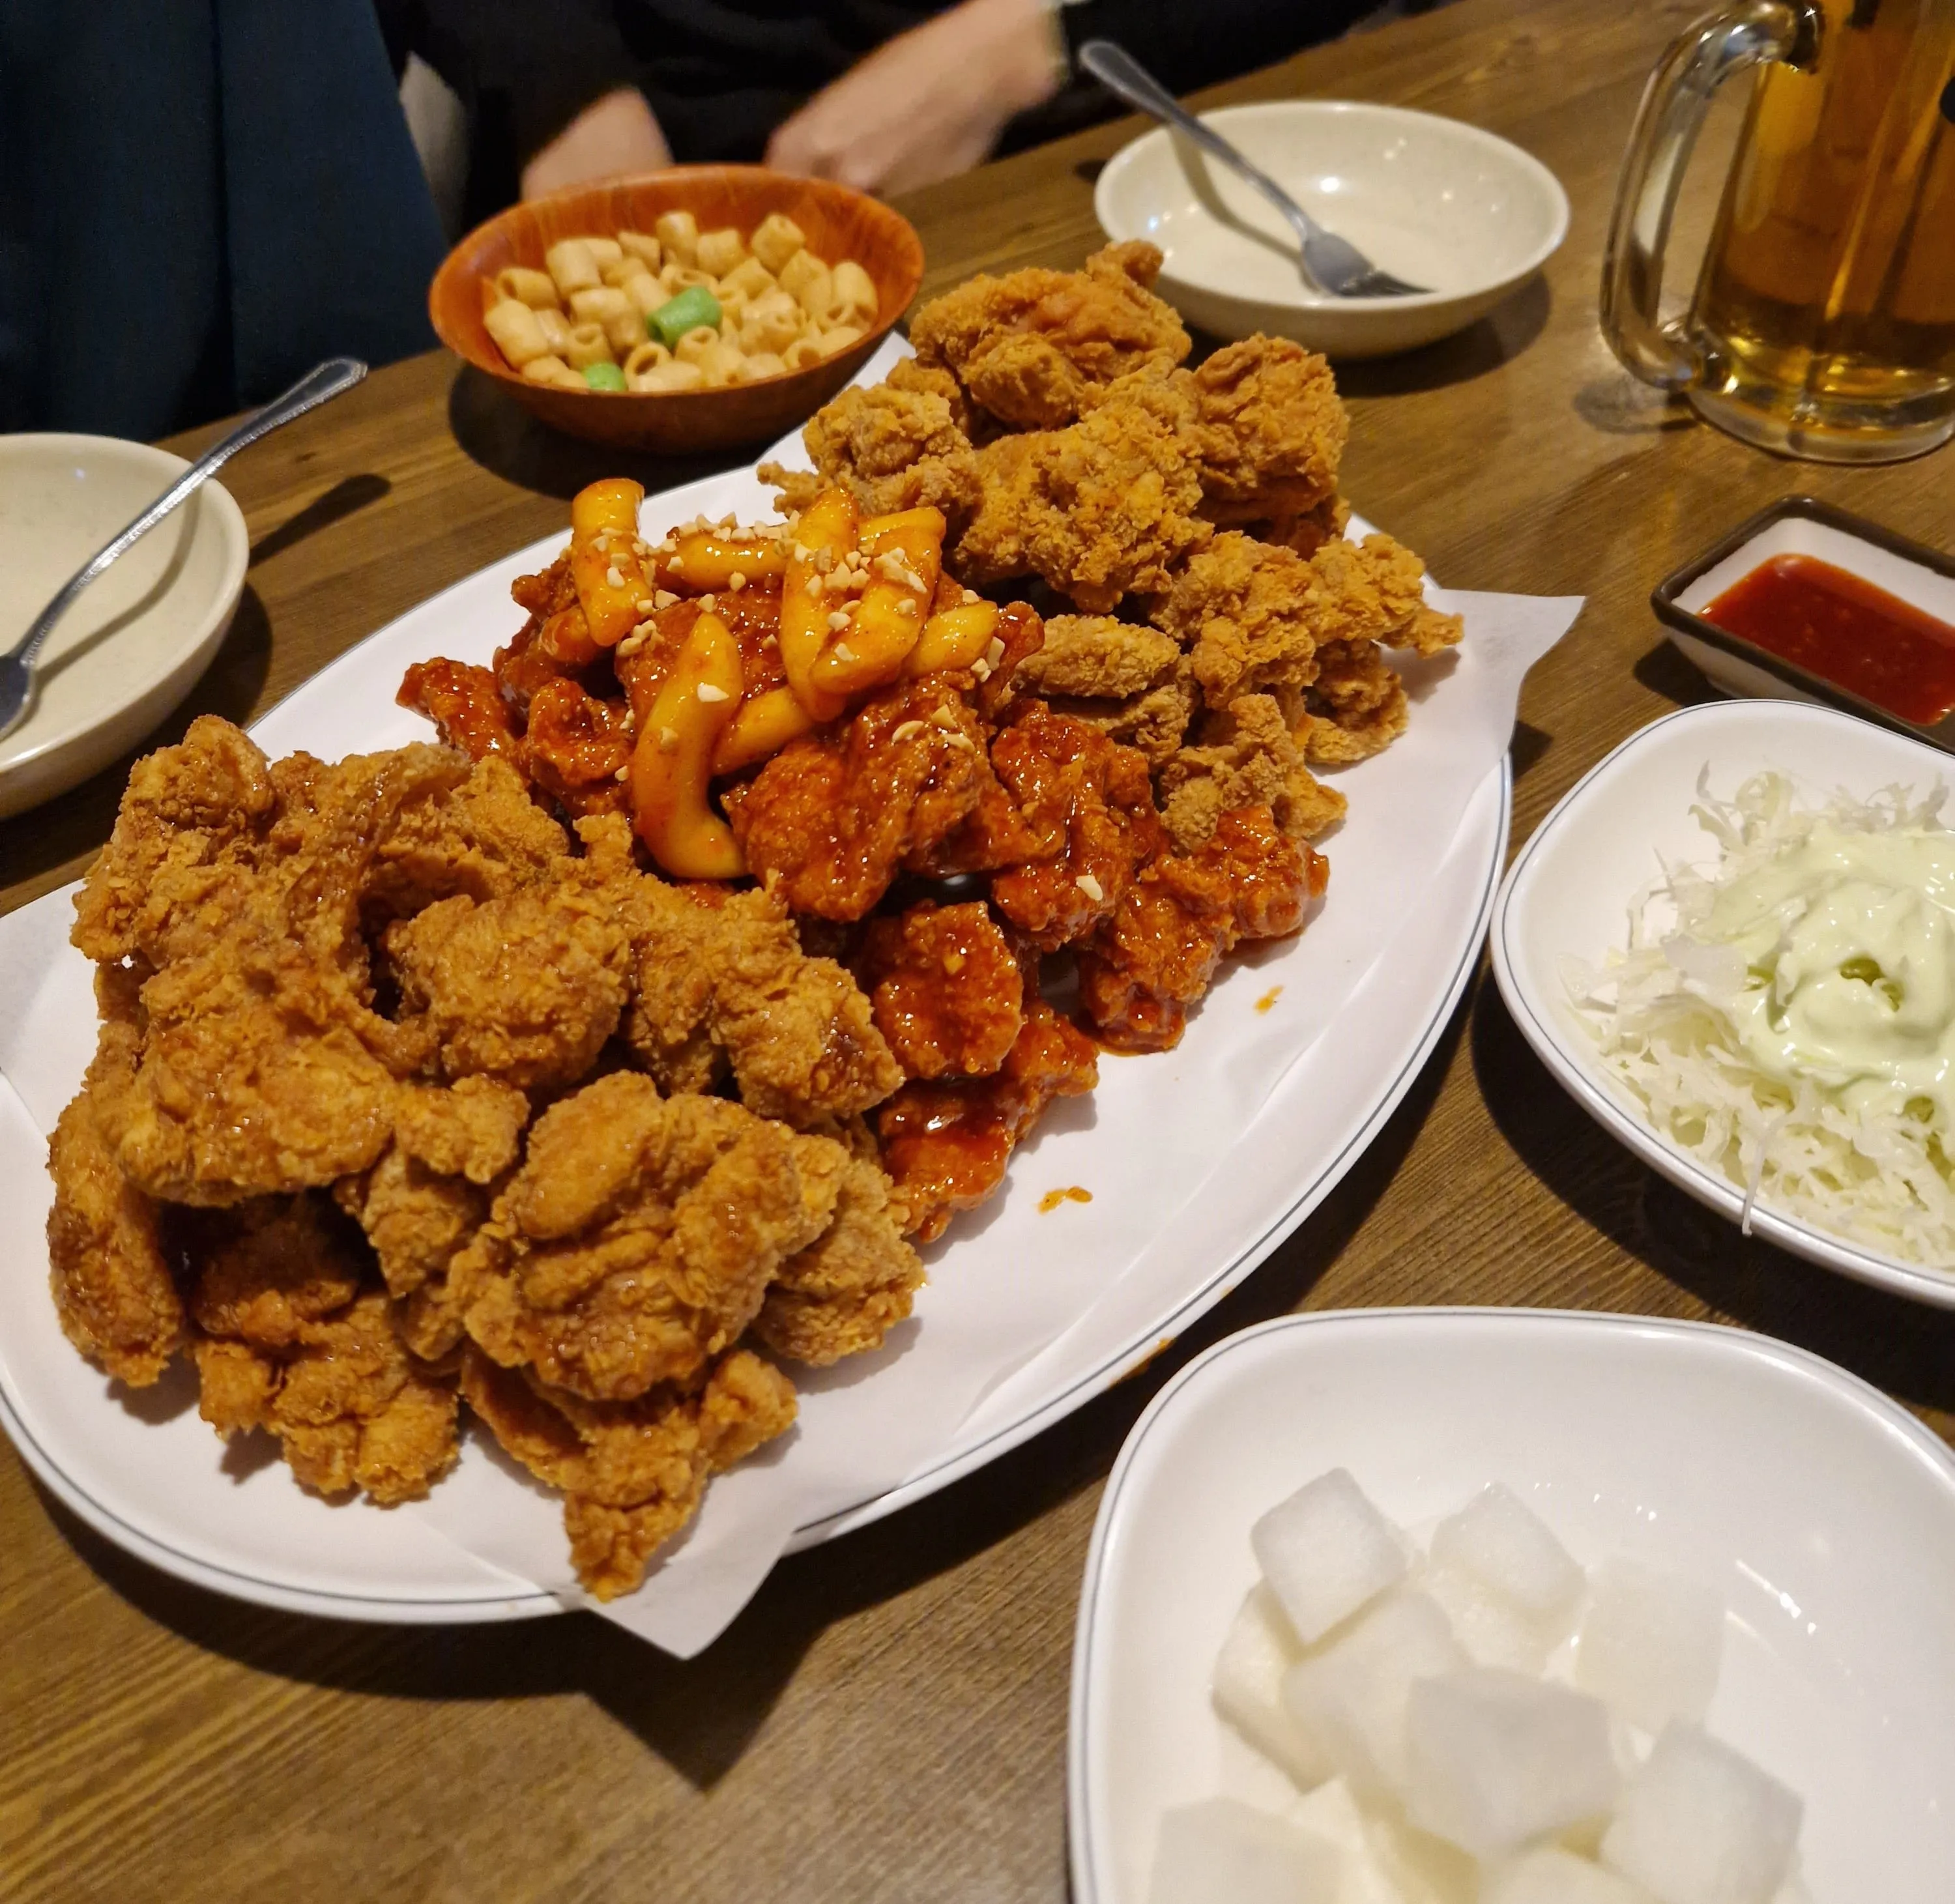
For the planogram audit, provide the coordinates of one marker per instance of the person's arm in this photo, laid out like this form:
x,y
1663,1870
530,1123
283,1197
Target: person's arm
x,y
613,136
930,103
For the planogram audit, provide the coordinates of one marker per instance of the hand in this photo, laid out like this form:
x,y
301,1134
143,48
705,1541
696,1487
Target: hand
x,y
928,103
616,134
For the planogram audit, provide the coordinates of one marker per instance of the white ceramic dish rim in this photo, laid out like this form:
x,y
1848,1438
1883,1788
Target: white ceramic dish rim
x,y
229,519
1086,1845
1578,1074
1505,149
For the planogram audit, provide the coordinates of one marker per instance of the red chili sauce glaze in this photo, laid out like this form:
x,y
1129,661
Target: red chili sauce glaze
x,y
1858,636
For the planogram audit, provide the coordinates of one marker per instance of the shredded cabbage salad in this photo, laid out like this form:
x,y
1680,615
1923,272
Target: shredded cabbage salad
x,y
1869,1166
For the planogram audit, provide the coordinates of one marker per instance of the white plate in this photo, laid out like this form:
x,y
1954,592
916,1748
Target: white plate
x,y
1824,1512
161,1488
1432,200
134,642
1567,895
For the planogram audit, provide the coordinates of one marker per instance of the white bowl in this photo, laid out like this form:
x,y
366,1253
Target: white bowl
x,y
135,641
1824,1512
1567,895
1431,200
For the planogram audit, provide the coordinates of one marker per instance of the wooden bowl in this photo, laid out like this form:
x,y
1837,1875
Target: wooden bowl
x,y
838,224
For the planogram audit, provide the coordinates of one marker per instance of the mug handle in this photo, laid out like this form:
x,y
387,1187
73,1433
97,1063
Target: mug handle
x,y
1739,36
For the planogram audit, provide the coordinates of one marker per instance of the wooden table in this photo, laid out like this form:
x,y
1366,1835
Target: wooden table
x,y
887,1720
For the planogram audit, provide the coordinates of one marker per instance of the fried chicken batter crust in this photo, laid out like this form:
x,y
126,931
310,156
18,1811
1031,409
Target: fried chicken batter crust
x,y
638,1239
632,1473
849,1289
1035,346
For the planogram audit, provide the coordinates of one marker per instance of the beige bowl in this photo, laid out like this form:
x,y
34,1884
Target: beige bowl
x,y
1431,200
135,642
838,224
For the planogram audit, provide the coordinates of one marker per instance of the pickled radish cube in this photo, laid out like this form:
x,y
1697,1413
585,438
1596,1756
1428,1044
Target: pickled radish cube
x,y
1495,1759
1326,1552
1553,1876
1500,1541
1651,1643
1331,1812
1351,1697
1247,1688
1493,1630
1699,1823
1222,1851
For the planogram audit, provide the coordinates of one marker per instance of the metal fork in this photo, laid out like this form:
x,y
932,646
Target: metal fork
x,y
1332,264
317,386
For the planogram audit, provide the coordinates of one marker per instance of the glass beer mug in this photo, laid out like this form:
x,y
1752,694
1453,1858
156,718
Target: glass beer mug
x,y
1824,323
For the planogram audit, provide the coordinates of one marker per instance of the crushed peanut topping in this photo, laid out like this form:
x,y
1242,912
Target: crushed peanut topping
x,y
709,693
1091,887
664,598
614,576
667,740
907,730
843,652
736,581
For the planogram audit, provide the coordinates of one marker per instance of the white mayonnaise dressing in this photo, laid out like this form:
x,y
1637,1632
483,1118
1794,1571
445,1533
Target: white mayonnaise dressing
x,y
1848,943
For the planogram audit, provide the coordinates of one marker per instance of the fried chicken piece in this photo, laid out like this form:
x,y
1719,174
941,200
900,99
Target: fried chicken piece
x,y
1307,532
945,1143
255,1063
1035,346
292,1343
428,1193
637,1239
829,819
949,992
632,1473
720,978
1269,430
574,746
466,705
1096,656
891,448
1354,708
269,1268
1141,970
847,1290
1246,756
190,826
1089,803
113,1291
1153,723
912,374
484,839
525,988
1373,590
1247,611
1105,508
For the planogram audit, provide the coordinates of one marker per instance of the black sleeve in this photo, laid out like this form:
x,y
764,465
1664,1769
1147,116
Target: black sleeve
x,y
1187,45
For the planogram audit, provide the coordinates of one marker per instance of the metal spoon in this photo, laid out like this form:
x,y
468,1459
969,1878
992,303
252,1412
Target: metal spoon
x,y
320,385
1332,264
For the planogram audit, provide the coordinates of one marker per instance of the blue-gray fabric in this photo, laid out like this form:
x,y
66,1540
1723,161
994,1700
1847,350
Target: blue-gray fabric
x,y
198,200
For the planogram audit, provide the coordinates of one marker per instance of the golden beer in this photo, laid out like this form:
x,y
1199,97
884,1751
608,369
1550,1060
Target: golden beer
x,y
1824,323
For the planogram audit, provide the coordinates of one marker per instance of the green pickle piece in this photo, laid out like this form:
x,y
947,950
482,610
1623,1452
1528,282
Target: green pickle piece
x,y
604,376
693,306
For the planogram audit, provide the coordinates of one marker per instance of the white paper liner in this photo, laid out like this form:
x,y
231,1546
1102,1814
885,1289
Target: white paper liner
x,y
1143,1145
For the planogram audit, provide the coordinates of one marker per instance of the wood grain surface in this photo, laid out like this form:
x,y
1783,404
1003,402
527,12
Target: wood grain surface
x,y
887,1721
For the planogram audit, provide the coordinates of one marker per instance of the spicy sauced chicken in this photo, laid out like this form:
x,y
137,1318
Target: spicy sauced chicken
x,y
817,705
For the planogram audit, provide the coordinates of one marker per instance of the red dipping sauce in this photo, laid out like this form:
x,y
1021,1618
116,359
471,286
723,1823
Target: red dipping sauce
x,y
1851,633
